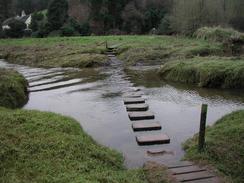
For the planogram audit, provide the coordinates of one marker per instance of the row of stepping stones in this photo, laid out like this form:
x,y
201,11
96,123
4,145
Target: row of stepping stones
x,y
143,120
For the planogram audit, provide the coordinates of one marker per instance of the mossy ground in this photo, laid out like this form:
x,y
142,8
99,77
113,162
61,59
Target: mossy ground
x,y
211,72
45,147
224,146
13,89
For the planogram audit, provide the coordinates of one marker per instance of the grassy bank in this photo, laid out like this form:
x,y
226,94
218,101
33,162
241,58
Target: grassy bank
x,y
54,52
213,72
89,51
45,147
13,89
224,146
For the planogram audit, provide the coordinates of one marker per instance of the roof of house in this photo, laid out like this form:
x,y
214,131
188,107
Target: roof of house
x,y
9,20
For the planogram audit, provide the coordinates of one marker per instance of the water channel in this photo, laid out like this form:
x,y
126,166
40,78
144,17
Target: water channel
x,y
94,98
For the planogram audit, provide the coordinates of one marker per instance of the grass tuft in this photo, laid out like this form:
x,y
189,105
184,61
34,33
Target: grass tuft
x,y
13,89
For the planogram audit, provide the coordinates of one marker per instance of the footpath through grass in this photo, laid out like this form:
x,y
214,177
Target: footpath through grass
x,y
224,146
45,147
13,89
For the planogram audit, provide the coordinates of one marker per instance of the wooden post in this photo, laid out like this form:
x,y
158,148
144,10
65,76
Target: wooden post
x,y
106,44
201,142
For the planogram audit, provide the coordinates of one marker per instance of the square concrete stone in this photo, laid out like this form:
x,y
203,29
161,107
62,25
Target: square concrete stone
x,y
132,95
146,126
141,115
137,107
153,139
134,100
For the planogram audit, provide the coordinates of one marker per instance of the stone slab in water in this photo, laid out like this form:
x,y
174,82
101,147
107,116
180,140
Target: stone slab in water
x,y
194,176
134,100
208,180
153,139
137,107
187,169
180,164
132,95
141,115
146,126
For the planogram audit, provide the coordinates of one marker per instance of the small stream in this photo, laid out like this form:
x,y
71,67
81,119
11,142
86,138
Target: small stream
x,y
94,98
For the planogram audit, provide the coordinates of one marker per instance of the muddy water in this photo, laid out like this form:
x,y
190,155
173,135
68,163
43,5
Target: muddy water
x,y
94,98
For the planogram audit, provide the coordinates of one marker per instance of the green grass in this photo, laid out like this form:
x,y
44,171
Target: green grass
x,y
13,89
54,52
213,72
132,50
45,147
224,146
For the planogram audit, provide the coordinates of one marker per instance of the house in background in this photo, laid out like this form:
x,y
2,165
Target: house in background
x,y
23,18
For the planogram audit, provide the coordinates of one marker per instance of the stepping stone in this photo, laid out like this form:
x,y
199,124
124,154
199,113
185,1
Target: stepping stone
x,y
152,139
140,115
180,164
132,95
146,126
137,107
187,169
208,180
134,100
193,176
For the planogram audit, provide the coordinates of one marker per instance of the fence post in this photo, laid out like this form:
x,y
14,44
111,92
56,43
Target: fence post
x,y
201,142
106,44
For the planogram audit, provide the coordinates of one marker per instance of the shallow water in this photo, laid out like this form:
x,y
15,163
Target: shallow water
x,y
94,98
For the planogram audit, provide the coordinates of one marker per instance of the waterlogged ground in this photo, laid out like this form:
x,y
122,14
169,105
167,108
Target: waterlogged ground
x,y
94,98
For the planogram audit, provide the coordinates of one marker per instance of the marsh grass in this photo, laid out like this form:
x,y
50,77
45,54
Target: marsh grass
x,y
79,51
218,34
13,89
224,146
213,72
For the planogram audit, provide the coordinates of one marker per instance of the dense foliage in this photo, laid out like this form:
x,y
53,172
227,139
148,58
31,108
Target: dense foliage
x,y
57,14
16,29
128,16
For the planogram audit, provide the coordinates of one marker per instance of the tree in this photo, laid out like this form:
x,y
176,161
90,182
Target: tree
x,y
16,29
57,14
133,19
5,9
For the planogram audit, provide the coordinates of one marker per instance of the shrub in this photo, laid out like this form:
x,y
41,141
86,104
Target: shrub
x,y
56,33
16,29
43,31
164,26
85,29
67,30
27,33
2,34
